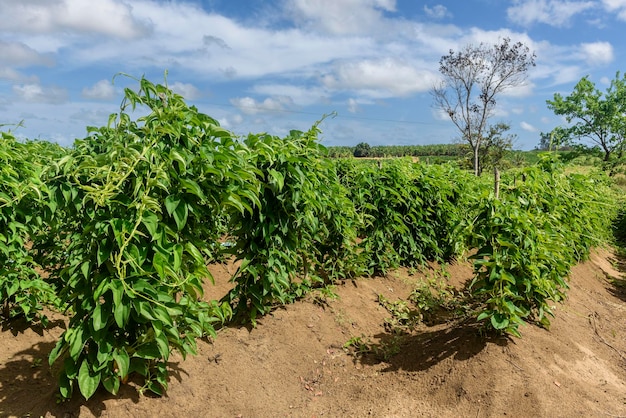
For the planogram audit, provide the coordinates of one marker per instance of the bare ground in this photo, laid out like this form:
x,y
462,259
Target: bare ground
x,y
293,364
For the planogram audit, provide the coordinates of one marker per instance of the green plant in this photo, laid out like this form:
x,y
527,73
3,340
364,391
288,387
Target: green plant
x,y
301,235
358,345
436,300
388,347
403,319
362,149
138,204
322,294
411,212
530,237
23,292
385,350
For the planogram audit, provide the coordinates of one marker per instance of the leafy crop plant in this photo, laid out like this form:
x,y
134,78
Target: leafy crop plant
x,y
139,204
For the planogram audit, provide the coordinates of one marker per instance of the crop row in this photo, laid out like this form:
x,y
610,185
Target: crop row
x,y
126,222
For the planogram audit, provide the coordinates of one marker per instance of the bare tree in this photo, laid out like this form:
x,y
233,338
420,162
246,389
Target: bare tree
x,y
472,78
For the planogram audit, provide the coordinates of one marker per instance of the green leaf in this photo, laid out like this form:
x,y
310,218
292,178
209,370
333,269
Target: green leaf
x,y
177,251
85,269
117,290
87,380
121,313
151,222
123,362
138,365
149,351
58,349
277,178
111,384
104,251
65,386
163,344
180,215
176,156
99,318
484,315
171,203
155,388
192,187
76,341
499,321
194,252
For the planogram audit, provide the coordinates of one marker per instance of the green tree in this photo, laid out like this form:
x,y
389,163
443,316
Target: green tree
x,y
472,79
362,149
595,115
495,146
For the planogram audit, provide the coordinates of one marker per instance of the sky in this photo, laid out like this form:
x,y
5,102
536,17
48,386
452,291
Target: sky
x,y
277,65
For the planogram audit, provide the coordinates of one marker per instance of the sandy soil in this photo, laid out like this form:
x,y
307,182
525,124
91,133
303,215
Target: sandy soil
x,y
293,363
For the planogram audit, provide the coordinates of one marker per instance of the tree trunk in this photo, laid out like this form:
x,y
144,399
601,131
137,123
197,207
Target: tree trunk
x,y
476,161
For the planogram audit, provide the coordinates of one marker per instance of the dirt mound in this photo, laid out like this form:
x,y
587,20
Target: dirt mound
x,y
294,362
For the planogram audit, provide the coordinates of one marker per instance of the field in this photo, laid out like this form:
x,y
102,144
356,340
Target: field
x,y
293,363
164,266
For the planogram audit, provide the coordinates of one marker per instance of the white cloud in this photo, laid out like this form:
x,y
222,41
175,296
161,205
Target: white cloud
x,y
597,53
102,90
522,90
440,114
250,106
528,127
387,77
437,12
210,45
109,17
187,90
341,17
18,54
303,96
550,12
567,74
35,93
11,74
353,105
618,6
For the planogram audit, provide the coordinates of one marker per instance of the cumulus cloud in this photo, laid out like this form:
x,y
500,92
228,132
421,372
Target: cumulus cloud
x,y
18,54
187,90
300,95
102,90
10,74
616,6
522,90
35,93
341,17
250,106
597,53
528,127
353,105
550,12
387,77
109,17
437,12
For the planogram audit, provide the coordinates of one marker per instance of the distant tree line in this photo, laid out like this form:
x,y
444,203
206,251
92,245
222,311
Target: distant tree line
x,y
363,149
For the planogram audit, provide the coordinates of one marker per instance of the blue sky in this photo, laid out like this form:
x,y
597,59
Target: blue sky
x,y
272,66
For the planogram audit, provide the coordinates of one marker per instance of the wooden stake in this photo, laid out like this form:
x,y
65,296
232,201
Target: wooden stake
x,y
496,174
